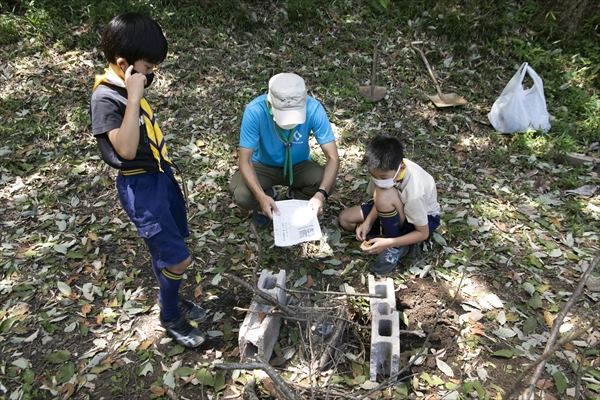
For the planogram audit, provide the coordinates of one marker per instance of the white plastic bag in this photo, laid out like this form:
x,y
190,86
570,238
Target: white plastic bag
x,y
518,109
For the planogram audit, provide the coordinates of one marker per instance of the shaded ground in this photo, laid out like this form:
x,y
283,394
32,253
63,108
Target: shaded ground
x,y
78,316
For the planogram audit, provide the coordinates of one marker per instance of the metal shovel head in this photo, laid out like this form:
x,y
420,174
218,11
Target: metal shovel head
x,y
447,100
372,93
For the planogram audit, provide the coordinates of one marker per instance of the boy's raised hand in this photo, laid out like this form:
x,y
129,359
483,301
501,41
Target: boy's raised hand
x,y
135,84
376,245
362,230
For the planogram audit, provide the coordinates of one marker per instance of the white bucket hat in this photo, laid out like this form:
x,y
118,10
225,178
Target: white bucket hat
x,y
287,95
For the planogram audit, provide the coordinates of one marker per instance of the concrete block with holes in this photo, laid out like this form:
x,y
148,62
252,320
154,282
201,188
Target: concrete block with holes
x,y
383,287
385,329
260,331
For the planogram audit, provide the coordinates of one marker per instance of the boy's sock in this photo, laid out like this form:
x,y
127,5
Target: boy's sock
x,y
168,283
390,223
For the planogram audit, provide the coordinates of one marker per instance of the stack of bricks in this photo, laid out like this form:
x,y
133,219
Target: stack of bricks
x,y
385,329
260,331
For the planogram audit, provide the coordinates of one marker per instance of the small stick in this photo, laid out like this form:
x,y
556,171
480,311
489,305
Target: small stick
x,y
546,355
310,291
272,313
312,357
259,293
528,394
278,382
340,324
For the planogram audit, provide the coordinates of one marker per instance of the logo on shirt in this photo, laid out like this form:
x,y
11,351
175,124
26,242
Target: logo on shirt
x,y
297,137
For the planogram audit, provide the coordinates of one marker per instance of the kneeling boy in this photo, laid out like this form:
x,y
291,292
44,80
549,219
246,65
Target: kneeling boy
x,y
404,209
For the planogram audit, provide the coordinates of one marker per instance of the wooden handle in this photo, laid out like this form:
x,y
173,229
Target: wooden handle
x,y
437,86
373,70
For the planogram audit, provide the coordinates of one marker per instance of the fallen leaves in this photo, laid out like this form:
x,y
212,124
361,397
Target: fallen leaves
x,y
72,262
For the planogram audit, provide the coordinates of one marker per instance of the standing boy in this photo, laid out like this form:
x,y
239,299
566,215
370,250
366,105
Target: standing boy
x,y
130,139
404,209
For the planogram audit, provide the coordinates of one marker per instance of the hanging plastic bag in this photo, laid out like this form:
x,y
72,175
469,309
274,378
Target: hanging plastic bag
x,y
519,109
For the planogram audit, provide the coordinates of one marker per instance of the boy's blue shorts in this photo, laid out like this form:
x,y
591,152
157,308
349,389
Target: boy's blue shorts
x,y
432,220
154,203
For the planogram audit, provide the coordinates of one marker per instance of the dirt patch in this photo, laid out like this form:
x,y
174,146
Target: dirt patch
x,y
424,305
421,302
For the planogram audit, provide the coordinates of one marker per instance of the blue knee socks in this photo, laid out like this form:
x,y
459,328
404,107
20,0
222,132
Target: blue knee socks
x,y
168,296
390,223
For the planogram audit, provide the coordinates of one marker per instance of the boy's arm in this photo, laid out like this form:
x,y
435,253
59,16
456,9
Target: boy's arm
x,y
377,245
370,219
420,234
125,139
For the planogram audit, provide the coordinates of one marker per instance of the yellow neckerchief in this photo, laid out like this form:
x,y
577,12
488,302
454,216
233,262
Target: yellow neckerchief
x,y
153,131
402,173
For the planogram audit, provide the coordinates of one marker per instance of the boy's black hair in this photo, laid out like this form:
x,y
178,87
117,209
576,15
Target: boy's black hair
x,y
384,153
134,37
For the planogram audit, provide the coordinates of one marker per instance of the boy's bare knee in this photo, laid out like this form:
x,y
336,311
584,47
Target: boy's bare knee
x,y
348,219
385,199
181,267
342,220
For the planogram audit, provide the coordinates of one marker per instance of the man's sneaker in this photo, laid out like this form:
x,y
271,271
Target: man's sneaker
x,y
289,194
192,311
388,259
416,250
259,219
183,333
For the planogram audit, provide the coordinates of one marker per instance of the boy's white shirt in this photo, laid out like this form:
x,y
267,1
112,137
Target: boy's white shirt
x,y
417,192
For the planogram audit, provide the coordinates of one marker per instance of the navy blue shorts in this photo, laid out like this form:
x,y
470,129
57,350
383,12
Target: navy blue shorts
x,y
154,203
432,220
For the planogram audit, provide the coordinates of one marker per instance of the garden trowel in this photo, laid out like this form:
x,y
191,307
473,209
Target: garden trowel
x,y
373,92
440,99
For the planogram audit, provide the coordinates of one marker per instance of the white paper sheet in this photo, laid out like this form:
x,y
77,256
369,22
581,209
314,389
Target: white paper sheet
x,y
296,223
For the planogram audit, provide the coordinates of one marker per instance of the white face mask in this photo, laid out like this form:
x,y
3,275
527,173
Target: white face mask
x,y
387,183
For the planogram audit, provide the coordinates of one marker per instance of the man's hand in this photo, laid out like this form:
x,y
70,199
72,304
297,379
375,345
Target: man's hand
x,y
267,205
316,203
134,84
363,230
376,245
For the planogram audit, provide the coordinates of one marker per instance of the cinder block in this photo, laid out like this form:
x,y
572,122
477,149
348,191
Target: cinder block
x,y
382,287
259,332
385,344
273,284
385,329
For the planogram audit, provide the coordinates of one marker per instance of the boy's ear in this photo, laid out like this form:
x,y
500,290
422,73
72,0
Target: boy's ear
x,y
122,63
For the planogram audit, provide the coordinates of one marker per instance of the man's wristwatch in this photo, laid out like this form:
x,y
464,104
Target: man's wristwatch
x,y
324,193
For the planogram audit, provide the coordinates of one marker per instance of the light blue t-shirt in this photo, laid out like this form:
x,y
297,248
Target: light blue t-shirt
x,y
259,132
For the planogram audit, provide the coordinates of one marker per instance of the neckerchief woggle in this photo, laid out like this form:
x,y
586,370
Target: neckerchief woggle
x,y
158,146
288,165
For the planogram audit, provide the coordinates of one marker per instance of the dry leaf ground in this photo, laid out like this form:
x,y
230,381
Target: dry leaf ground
x,y
78,316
